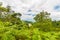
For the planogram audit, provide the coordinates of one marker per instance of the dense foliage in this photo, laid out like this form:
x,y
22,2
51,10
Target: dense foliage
x,y
13,28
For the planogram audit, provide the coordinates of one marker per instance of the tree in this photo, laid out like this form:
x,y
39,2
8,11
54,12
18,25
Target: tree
x,y
2,9
43,21
8,15
42,16
0,3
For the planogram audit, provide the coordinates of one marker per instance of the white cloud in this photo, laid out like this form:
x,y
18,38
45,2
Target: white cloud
x,y
49,7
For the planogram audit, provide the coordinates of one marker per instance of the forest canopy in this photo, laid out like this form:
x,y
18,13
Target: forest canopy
x,y
13,28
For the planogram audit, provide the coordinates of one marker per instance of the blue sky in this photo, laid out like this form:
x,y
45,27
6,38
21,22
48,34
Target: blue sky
x,y
57,7
29,8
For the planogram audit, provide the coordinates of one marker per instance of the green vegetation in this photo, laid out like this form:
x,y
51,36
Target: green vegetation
x,y
13,28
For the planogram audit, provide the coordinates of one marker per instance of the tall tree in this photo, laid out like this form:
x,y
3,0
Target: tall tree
x,y
42,16
43,21
2,9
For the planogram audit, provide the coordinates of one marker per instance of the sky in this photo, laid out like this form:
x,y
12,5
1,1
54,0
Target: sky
x,y
29,8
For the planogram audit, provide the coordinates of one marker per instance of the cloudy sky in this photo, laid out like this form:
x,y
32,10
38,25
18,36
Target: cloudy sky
x,y
29,8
